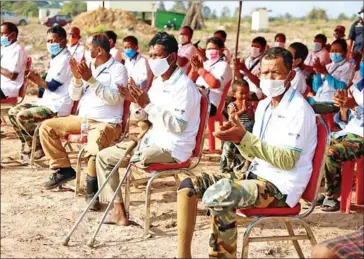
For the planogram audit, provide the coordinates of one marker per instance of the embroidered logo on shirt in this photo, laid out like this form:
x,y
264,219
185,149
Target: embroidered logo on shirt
x,y
292,134
180,111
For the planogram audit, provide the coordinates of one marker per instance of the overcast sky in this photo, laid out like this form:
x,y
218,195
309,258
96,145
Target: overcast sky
x,y
295,8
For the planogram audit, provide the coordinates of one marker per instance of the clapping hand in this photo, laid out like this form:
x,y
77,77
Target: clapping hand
x,y
84,70
139,96
74,68
232,130
35,77
196,62
319,67
340,98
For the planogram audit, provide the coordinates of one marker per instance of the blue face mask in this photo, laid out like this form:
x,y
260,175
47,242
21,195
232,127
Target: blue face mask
x,y
54,48
5,41
336,57
361,69
129,52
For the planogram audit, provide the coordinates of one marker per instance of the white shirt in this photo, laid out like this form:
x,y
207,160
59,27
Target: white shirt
x,y
180,96
59,70
292,125
138,69
110,76
13,59
227,55
222,72
116,54
340,71
249,62
77,51
322,54
299,81
187,51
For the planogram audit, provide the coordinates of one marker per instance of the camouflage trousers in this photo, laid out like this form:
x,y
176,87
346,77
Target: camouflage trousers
x,y
25,119
349,147
244,193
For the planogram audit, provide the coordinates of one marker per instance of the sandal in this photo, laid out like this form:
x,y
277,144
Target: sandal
x,y
330,205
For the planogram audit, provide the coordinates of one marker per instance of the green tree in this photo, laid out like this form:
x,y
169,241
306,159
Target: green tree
x,y
178,7
225,12
213,15
317,14
74,8
7,5
25,8
342,16
354,17
161,6
236,12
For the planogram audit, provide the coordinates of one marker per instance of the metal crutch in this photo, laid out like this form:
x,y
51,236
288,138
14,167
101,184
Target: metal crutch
x,y
115,169
91,241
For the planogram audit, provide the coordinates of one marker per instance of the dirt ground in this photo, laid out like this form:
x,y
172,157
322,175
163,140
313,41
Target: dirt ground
x,y
35,221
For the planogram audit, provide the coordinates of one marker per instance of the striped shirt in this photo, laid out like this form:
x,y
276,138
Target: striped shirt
x,y
244,118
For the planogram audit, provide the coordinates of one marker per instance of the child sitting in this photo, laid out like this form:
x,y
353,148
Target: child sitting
x,y
231,160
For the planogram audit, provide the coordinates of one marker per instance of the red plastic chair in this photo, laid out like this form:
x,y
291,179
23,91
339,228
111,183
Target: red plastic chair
x,y
347,184
7,103
156,171
76,138
329,117
218,117
288,215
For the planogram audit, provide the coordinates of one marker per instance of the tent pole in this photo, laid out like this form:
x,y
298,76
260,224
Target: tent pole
x,y
238,32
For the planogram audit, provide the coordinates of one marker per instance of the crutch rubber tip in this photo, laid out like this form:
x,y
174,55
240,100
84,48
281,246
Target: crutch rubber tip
x,y
91,242
65,241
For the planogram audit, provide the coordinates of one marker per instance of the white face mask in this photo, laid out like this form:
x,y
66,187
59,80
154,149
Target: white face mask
x,y
279,44
89,58
158,66
273,88
183,39
316,46
254,52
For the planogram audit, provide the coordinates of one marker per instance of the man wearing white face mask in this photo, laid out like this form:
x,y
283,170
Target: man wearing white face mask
x,y
281,149
171,104
318,52
96,89
185,49
280,40
249,70
56,100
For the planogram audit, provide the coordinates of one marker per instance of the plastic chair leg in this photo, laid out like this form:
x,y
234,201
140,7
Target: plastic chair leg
x,y
360,182
211,129
346,186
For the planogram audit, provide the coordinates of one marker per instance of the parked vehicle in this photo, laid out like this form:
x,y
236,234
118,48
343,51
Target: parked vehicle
x,y
7,16
58,19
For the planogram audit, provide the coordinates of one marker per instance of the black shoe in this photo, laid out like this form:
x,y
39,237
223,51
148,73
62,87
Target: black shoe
x,y
60,177
91,189
95,206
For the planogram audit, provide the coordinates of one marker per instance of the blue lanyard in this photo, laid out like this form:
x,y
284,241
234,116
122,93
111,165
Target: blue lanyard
x,y
262,132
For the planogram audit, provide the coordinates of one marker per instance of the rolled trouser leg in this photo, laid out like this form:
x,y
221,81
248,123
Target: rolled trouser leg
x,y
223,234
186,219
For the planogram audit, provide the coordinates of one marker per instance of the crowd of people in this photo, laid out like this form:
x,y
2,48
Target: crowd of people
x,y
269,138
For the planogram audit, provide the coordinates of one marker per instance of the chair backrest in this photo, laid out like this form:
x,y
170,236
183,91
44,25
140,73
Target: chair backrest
x,y
223,97
204,104
23,88
125,120
318,165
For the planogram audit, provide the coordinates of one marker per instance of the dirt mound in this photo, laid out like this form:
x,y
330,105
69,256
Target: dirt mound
x,y
111,18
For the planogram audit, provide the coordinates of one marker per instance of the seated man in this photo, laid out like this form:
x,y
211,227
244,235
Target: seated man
x,y
75,47
96,89
280,40
13,61
299,52
115,53
281,149
347,144
171,104
56,100
250,69
186,49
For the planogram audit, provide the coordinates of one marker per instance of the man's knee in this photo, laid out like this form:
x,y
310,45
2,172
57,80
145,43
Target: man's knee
x,y
321,251
104,158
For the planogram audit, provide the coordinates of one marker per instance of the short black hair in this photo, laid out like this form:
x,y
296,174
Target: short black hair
x,y
131,39
217,41
276,52
239,83
301,50
111,35
62,34
11,27
189,29
341,42
280,35
261,40
222,33
321,37
168,41
101,40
